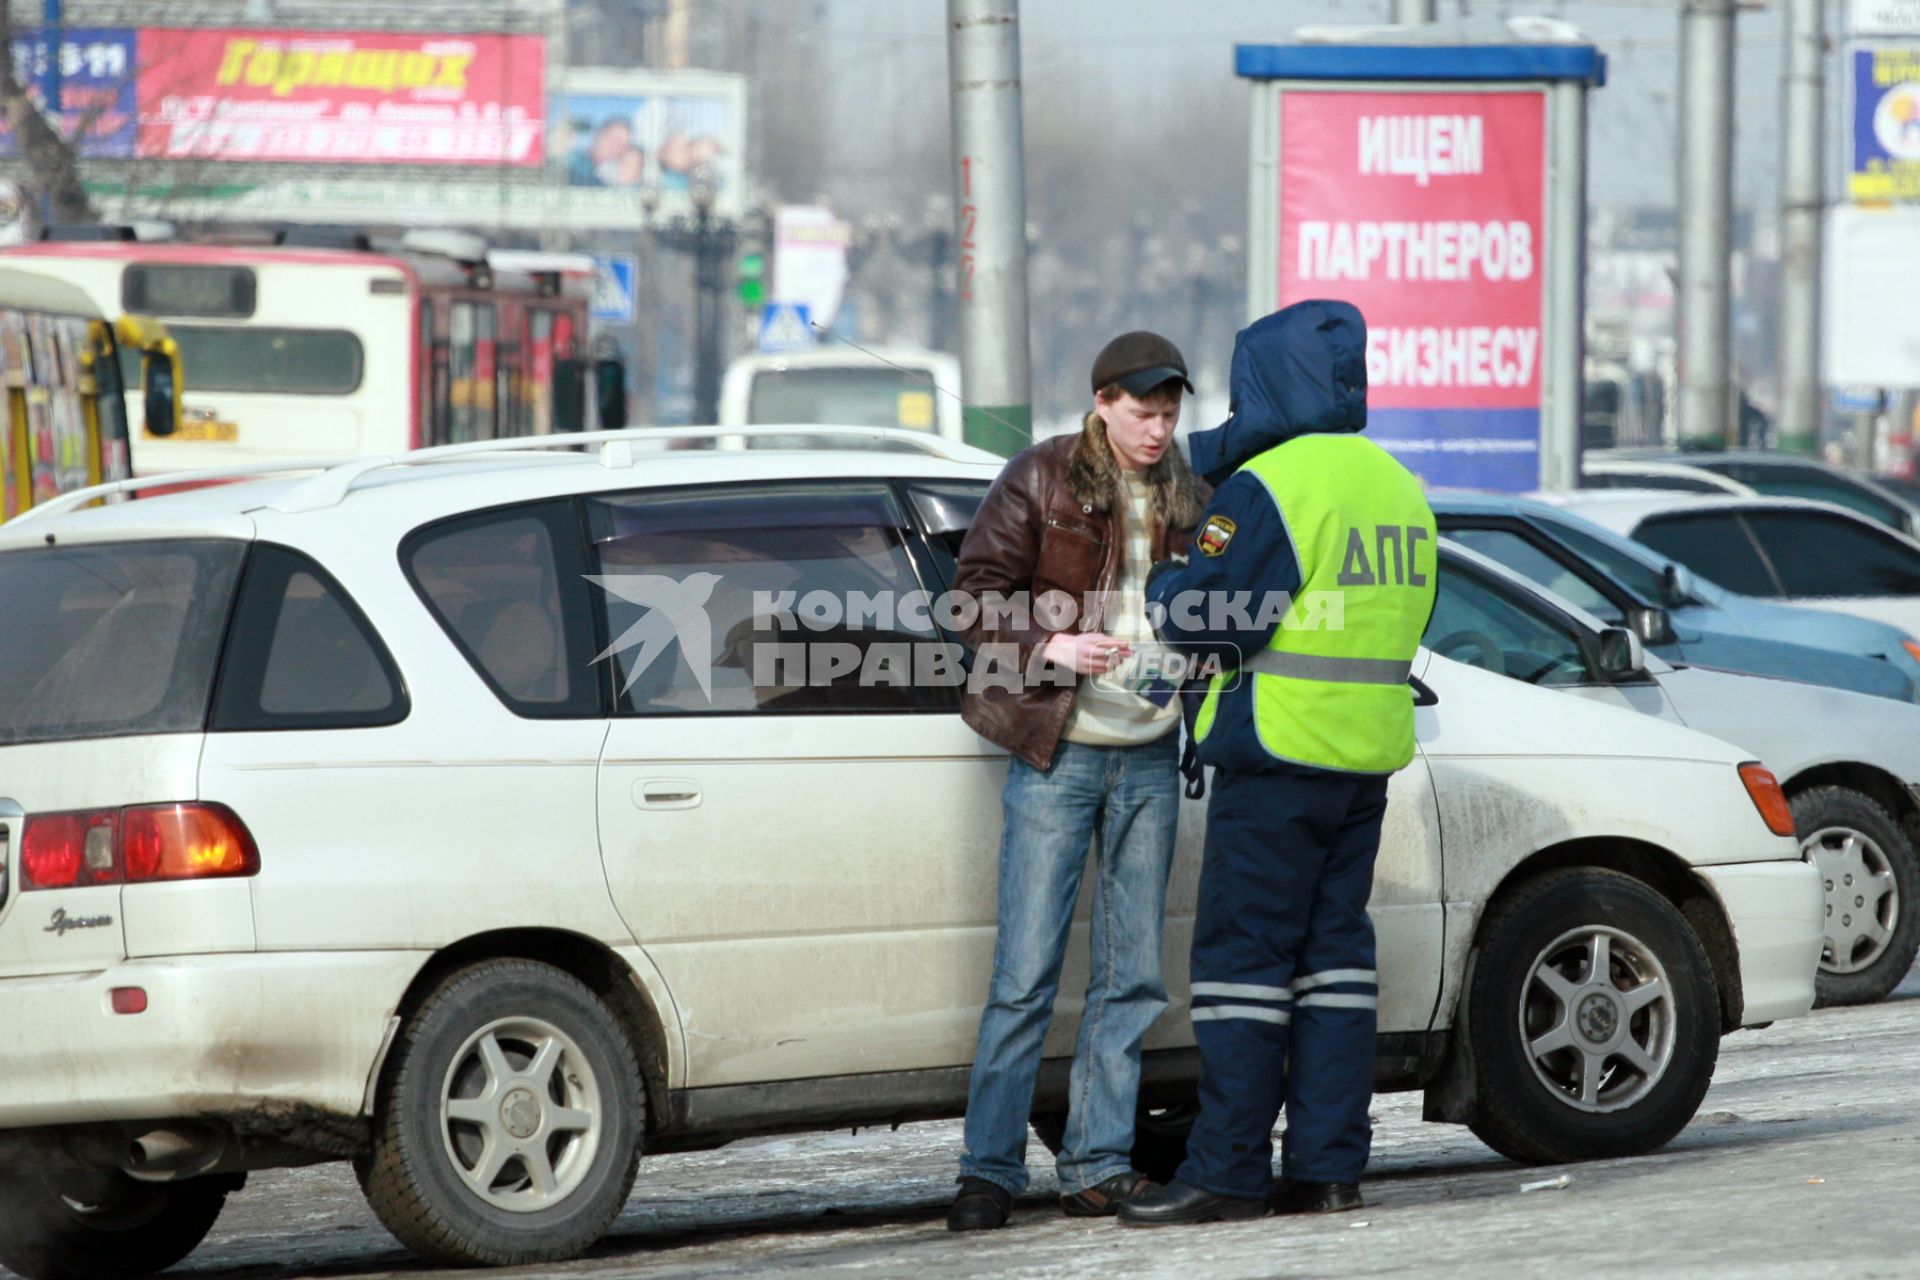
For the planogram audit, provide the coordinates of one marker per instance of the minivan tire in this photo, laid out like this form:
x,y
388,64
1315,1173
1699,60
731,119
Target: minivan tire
x,y
1843,833
540,1159
103,1226
1572,1064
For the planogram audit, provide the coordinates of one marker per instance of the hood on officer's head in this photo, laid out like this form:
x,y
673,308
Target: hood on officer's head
x,y
1301,370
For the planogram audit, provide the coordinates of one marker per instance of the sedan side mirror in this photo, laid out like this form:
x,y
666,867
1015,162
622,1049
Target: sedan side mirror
x,y
1650,626
1622,655
1677,584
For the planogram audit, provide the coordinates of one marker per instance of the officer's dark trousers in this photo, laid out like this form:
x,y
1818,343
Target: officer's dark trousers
x,y
1284,988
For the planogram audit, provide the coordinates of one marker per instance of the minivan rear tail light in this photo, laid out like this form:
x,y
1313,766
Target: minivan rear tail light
x,y
1764,790
186,842
70,850
148,842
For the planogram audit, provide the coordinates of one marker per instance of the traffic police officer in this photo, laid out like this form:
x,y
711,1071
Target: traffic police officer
x,y
1326,545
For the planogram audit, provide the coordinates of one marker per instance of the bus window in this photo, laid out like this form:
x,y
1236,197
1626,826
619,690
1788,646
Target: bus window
x,y
509,414
302,362
110,403
471,358
486,362
427,384
540,370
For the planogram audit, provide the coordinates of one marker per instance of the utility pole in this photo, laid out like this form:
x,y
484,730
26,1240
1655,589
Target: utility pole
x,y
1415,11
990,201
1706,218
1802,204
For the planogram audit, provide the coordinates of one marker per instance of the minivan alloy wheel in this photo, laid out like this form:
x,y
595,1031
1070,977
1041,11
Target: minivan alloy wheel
x,y
1597,1018
519,1113
1863,899
510,1117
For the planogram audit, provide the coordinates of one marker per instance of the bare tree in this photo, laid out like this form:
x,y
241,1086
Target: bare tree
x,y
53,168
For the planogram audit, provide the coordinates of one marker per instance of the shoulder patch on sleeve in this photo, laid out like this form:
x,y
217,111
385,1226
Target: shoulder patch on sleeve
x,y
1214,535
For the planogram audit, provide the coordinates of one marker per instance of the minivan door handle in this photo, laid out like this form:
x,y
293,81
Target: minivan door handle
x,y
666,793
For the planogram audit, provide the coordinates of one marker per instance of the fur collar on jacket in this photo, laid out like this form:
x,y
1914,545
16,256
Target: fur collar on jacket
x,y
1093,477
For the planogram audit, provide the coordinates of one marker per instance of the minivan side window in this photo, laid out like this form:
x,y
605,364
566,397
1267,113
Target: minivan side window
x,y
1715,546
508,588
770,599
1819,554
301,655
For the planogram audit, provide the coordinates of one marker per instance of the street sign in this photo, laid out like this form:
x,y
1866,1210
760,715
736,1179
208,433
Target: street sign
x,y
1859,400
784,327
1884,18
616,286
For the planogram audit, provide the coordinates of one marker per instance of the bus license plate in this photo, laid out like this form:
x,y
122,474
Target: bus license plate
x,y
202,430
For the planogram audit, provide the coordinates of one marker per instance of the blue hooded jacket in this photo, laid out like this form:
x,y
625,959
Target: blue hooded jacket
x,y
1301,370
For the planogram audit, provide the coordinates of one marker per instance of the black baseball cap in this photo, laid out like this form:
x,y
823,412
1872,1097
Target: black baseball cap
x,y
1138,362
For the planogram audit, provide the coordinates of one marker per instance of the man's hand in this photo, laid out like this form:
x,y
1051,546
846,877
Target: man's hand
x,y
1089,654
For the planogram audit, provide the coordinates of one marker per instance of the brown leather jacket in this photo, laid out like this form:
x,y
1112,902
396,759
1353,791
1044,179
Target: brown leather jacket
x,y
1051,523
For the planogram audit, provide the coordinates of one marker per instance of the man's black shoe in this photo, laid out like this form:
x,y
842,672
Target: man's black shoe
x,y
1178,1204
980,1206
1104,1198
1315,1197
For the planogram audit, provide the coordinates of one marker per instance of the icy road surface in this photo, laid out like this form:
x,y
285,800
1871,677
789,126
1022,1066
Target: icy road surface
x,y
1804,1161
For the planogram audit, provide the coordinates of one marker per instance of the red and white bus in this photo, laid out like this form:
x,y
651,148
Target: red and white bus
x,y
318,345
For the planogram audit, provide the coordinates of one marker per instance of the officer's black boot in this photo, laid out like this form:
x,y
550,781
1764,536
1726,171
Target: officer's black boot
x,y
1315,1197
1178,1204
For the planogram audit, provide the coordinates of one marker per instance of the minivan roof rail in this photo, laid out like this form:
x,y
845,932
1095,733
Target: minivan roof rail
x,y
337,476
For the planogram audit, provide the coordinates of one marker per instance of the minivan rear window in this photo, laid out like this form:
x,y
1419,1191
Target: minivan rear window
x,y
112,639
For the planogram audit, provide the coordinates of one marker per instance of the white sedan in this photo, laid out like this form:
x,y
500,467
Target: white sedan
x,y
328,835
1789,549
1850,763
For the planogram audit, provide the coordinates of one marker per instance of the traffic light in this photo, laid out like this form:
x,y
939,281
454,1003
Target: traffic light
x,y
752,283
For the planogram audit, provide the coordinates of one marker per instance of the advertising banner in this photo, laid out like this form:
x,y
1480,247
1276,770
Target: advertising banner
x,y
1872,266
1886,124
341,97
659,133
1425,210
96,91
810,259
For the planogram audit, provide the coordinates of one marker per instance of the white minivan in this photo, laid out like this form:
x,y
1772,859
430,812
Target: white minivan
x,y
443,814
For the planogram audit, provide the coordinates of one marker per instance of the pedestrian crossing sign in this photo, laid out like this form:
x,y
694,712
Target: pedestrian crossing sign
x,y
784,327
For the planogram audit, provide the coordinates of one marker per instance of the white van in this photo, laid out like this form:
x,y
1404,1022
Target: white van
x,y
876,387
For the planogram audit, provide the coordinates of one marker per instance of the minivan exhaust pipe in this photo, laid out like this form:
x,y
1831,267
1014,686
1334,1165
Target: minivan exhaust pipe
x,y
166,1154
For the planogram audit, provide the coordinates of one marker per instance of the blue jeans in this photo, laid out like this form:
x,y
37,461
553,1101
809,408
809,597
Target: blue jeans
x,y
1130,796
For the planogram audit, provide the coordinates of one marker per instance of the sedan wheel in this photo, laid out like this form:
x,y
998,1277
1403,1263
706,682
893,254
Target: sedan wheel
x,y
1592,1019
1871,878
1598,1019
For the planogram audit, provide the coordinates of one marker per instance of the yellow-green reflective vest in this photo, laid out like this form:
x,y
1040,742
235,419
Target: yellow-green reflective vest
x,y
1330,690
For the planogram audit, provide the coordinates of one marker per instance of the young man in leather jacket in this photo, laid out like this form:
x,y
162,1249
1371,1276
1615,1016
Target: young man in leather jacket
x,y
1079,517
